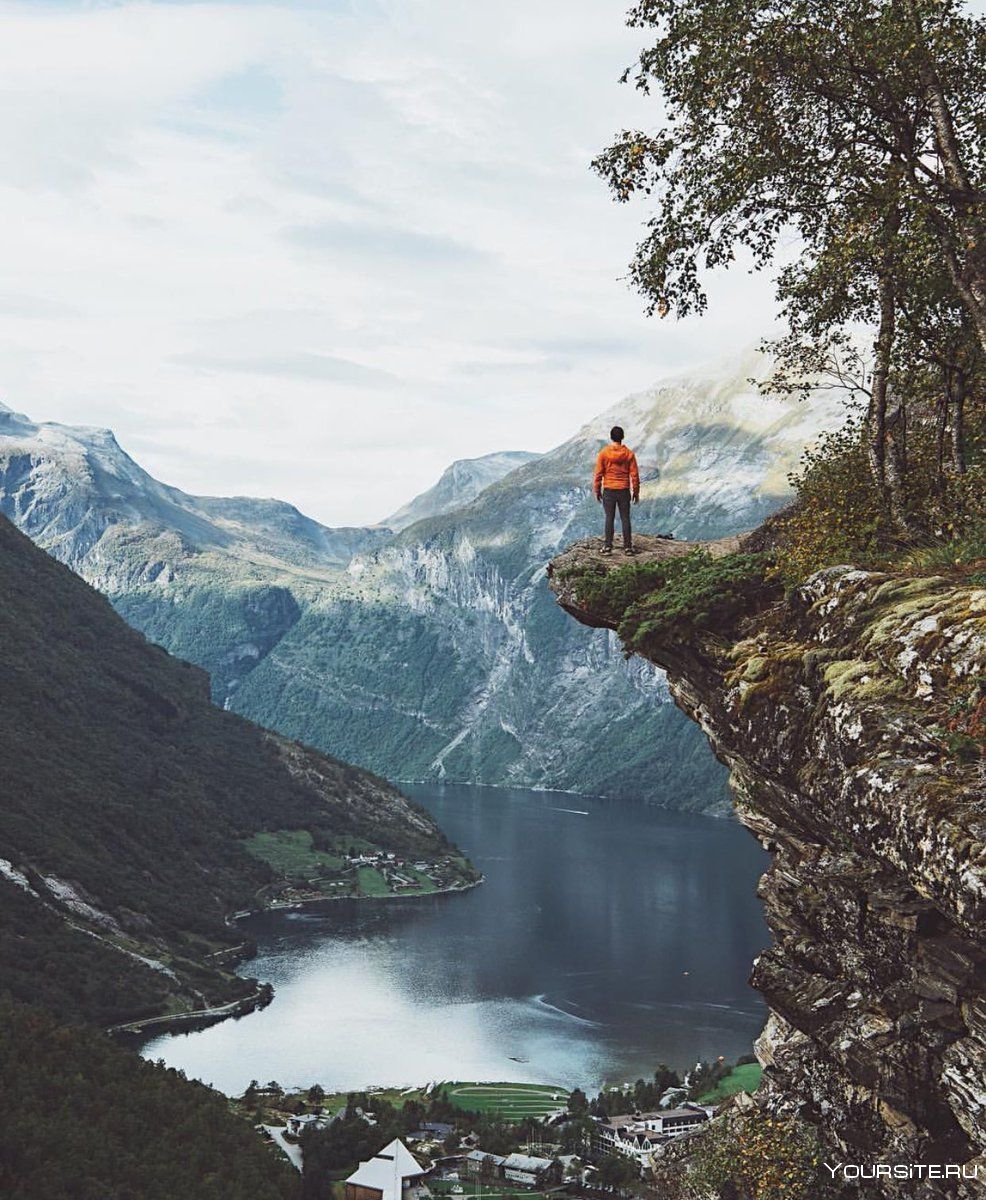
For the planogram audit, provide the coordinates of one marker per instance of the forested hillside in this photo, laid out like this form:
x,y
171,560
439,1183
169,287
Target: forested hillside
x,y
126,794
125,798
80,1117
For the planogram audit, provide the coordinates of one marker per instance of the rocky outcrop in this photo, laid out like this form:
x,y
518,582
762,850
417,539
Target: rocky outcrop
x,y
850,715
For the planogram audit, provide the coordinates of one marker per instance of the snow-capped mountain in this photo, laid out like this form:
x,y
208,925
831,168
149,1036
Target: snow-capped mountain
x,y
458,485
435,651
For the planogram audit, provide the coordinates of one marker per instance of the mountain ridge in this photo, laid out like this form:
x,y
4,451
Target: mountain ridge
x,y
434,651
460,482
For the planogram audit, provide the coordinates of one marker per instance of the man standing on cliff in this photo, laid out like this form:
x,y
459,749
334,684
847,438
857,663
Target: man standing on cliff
x,y
616,483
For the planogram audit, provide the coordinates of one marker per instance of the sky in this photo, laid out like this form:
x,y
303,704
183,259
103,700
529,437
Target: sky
x,y
320,250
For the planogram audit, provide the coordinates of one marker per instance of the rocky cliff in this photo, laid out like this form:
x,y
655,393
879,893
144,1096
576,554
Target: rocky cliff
x,y
850,714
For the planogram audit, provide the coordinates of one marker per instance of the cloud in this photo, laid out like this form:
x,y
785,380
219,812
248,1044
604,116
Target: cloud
x,y
373,243
235,215
300,365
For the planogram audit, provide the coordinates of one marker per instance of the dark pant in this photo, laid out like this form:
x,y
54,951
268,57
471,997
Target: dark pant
x,y
613,500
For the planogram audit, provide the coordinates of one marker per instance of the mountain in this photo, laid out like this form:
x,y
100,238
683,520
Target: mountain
x,y
440,654
82,1118
128,803
215,580
458,485
434,651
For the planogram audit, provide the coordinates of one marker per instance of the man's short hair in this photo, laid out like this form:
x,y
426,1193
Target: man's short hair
x,y
616,433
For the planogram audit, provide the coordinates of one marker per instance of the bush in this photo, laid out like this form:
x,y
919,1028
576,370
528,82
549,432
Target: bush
x,y
760,1158
840,517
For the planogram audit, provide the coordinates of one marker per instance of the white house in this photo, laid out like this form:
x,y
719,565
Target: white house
x,y
477,1163
393,1174
296,1125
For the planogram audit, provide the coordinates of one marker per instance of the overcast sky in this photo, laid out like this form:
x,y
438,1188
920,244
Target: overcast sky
x,y
318,251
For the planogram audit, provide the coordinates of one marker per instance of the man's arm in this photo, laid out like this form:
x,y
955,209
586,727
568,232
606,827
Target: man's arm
x,y
597,479
634,479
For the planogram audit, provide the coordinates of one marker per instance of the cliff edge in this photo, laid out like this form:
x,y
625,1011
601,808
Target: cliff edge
x,y
850,712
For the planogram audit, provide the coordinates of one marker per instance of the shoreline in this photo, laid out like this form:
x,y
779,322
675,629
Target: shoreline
x,y
146,1027
143,1029
289,905
727,813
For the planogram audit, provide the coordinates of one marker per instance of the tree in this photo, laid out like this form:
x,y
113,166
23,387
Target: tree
x,y
857,125
576,1135
617,1171
774,107
760,1158
578,1102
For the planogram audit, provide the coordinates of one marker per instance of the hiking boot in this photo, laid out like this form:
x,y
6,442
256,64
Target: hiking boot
x,y
630,550
606,550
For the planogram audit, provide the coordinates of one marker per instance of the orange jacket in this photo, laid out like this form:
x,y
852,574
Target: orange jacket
x,y
616,468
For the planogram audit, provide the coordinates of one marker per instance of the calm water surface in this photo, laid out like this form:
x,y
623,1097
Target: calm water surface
x,y
609,936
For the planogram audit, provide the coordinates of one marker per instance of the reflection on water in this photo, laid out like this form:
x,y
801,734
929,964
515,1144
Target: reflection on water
x,y
608,937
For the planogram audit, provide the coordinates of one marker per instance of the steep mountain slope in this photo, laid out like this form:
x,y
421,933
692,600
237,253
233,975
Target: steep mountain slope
x,y
459,484
433,652
215,579
125,798
442,654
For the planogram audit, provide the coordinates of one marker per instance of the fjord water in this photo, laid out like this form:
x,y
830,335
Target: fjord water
x,y
608,936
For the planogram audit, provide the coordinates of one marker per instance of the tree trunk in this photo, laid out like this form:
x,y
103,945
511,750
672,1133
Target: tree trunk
x,y
895,466
943,411
876,417
969,282
958,426
964,201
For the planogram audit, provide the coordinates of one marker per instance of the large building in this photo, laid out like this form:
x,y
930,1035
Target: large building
x,y
393,1174
530,1171
643,1134
525,1169
478,1164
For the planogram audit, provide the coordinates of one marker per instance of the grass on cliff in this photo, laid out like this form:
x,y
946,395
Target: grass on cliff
x,y
652,603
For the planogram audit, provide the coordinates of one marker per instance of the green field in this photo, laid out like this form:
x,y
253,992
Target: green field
x,y
371,882
512,1101
740,1079
291,852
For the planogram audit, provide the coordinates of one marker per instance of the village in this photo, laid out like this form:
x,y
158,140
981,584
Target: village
x,y
348,868
520,1139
